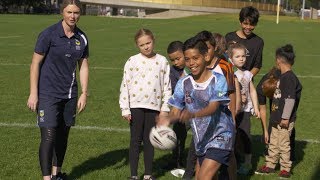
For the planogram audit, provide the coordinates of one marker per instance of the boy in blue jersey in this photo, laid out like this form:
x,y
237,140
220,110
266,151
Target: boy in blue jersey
x,y
202,98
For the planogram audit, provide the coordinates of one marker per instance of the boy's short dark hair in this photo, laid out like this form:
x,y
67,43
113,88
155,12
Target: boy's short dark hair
x,y
286,53
195,43
249,13
174,46
206,36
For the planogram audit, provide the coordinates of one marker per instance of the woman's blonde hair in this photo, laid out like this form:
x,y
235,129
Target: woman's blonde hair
x,y
65,3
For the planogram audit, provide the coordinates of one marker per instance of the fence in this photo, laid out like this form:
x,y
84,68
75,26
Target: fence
x,y
217,3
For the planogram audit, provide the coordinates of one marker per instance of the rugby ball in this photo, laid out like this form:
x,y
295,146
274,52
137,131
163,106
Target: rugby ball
x,y
163,137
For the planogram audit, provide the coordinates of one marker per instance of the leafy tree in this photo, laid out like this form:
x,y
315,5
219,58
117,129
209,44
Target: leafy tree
x,y
31,3
315,3
5,5
296,4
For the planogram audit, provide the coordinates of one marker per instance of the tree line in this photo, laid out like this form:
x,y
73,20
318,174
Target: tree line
x,y
27,6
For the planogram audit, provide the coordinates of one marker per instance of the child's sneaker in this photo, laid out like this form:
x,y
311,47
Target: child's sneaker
x,y
264,170
244,169
133,178
59,176
149,178
284,174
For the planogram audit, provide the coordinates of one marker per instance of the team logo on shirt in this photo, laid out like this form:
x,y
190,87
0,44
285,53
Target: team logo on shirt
x,y
220,94
276,97
277,92
247,52
188,98
41,115
78,44
221,138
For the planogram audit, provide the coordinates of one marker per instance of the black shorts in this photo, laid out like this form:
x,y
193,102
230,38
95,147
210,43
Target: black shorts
x,y
219,155
54,111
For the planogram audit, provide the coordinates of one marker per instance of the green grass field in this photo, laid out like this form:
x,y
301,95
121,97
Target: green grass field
x,y
98,145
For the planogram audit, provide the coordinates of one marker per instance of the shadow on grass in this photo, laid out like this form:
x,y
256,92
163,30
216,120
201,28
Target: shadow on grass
x,y
160,165
101,162
299,152
259,150
316,175
111,158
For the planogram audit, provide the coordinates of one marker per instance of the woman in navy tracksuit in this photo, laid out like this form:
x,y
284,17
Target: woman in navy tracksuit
x,y
53,85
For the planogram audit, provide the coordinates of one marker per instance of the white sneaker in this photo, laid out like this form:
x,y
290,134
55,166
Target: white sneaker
x,y
178,172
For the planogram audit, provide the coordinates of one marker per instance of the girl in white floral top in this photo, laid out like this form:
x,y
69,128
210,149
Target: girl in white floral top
x,y
144,93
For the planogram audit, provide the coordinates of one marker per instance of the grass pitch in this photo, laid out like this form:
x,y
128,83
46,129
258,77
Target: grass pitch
x,y
98,146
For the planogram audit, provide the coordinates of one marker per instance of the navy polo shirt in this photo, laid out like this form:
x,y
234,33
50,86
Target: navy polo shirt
x,y
58,70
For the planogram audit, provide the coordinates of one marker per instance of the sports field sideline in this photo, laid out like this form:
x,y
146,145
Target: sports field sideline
x,y
98,145
110,129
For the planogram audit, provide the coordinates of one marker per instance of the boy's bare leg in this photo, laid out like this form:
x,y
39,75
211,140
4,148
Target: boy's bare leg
x,y
208,169
197,170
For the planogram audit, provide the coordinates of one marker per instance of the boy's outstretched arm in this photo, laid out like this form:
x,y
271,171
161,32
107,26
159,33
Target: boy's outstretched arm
x,y
210,109
165,119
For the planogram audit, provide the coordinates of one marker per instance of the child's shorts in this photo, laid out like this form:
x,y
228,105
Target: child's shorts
x,y
219,155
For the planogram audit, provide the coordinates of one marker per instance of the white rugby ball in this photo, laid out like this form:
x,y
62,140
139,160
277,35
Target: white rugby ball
x,y
163,137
